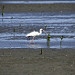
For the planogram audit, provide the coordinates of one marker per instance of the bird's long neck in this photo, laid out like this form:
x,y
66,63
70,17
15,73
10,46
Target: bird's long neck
x,y
40,32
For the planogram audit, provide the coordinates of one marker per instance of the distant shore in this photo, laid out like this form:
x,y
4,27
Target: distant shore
x,y
32,62
37,7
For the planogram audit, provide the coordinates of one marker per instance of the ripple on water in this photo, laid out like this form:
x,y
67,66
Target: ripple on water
x,y
57,25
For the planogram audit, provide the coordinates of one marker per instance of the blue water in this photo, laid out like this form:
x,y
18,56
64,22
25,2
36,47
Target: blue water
x,y
58,24
34,2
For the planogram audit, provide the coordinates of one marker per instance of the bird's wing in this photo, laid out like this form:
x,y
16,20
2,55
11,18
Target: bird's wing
x,y
34,33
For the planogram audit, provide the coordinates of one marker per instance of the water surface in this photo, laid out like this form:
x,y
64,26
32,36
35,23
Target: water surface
x,y
34,2
58,24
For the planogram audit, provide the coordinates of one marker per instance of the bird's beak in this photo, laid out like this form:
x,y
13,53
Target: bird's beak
x,y
44,31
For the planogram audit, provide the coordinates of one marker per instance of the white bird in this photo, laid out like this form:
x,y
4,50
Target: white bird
x,y
34,33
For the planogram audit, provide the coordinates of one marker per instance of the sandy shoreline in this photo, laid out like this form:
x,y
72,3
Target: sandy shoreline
x,y
37,7
30,62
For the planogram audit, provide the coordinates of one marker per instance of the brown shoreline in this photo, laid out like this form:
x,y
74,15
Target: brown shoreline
x,y
37,7
30,62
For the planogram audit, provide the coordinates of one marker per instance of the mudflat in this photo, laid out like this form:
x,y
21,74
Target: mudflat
x,y
37,7
32,62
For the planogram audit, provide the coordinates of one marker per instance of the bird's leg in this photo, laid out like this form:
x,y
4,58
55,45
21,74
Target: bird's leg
x,y
30,42
33,39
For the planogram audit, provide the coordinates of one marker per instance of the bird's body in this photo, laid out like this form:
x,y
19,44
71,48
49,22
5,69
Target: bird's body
x,y
34,33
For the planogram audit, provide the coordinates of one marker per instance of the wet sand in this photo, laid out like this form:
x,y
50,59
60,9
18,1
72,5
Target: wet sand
x,y
31,62
37,7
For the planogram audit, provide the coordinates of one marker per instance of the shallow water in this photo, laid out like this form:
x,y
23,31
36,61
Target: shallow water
x,y
14,27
